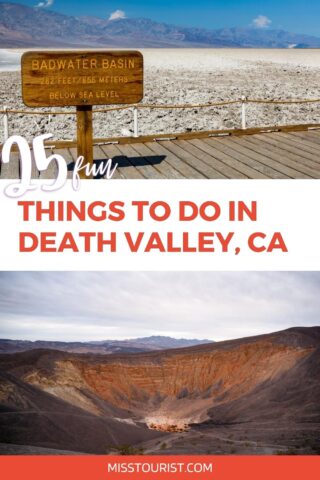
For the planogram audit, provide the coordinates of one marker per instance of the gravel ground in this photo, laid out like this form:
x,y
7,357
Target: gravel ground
x,y
12,449
193,76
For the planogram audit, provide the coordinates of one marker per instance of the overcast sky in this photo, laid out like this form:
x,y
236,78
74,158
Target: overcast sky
x,y
95,306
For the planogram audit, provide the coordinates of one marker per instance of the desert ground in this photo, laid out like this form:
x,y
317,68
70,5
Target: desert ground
x,y
190,76
254,395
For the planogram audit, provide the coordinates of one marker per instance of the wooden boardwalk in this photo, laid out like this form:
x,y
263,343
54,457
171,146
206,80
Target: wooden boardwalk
x,y
293,154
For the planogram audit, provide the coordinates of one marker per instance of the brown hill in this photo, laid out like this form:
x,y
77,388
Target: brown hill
x,y
132,345
270,380
29,416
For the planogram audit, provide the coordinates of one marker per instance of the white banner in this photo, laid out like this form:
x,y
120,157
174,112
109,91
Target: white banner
x,y
163,225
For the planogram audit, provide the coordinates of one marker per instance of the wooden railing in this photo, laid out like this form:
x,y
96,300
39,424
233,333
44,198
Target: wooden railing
x,y
5,112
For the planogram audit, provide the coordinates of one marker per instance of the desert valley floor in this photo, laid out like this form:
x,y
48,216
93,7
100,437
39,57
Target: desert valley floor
x,y
189,76
256,395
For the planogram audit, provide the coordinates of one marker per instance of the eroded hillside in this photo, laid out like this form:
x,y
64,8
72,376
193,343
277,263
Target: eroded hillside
x,y
270,377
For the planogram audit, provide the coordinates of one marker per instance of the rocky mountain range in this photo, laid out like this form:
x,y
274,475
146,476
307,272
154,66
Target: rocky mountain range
x,y
22,26
135,345
256,395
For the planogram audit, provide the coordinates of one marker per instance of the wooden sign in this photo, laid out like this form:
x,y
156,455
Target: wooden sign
x,y
81,78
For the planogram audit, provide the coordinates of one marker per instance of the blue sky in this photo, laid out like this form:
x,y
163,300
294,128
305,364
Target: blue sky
x,y
291,15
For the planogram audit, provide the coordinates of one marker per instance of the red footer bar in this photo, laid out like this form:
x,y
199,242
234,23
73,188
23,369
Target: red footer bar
x,y
145,467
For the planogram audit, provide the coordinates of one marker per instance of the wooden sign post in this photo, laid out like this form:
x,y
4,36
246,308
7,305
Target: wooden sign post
x,y
82,79
85,133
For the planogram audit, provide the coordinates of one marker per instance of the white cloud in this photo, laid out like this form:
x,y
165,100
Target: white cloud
x,y
95,306
117,15
261,21
45,4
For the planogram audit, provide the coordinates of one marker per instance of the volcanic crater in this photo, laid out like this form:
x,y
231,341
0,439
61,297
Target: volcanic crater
x,y
252,395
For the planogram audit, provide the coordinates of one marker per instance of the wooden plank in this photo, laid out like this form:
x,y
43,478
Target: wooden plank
x,y
11,170
207,133
295,170
256,165
74,154
299,143
230,165
304,139
65,152
202,151
190,159
34,170
291,148
73,151
98,153
125,167
278,147
278,155
314,135
294,148
117,175
166,170
100,157
185,170
186,135
52,171
265,158
142,164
